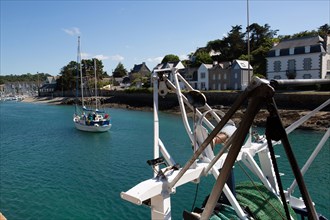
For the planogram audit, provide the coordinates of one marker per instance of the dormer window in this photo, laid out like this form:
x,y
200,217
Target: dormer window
x,y
315,48
299,50
284,52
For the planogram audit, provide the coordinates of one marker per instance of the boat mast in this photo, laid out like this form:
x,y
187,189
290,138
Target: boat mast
x,y
77,76
95,84
248,39
249,141
80,70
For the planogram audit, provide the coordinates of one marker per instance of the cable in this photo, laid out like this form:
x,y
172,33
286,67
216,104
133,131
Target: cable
x,y
193,205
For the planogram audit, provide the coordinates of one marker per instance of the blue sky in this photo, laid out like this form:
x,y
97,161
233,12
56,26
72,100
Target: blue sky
x,y
41,36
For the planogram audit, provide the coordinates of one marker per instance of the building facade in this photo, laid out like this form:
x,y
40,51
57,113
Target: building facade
x,y
219,78
241,74
203,76
300,58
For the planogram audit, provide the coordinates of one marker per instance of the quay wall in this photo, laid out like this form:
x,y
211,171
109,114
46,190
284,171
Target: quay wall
x,y
297,101
284,100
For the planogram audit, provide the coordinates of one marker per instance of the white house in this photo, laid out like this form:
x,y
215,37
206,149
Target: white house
x,y
203,76
299,58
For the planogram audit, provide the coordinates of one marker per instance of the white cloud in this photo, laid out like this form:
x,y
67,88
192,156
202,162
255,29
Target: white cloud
x,y
101,57
183,57
155,60
117,58
72,31
85,56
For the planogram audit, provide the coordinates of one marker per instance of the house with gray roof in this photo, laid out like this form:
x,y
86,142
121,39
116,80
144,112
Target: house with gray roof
x,y
300,58
190,74
141,69
222,76
48,87
241,74
139,72
219,76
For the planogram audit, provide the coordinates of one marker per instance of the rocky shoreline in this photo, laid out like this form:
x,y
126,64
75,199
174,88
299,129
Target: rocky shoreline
x,y
319,122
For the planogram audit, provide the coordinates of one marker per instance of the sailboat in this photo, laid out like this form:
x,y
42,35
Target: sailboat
x,y
90,119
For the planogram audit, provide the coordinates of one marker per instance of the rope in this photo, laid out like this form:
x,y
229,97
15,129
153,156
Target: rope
x,y
196,192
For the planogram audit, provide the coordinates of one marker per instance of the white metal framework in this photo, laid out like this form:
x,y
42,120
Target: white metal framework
x,y
156,191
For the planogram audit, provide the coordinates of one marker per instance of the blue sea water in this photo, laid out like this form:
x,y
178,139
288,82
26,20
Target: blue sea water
x,y
50,170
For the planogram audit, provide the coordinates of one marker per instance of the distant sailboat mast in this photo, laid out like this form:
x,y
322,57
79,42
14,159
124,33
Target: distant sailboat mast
x,y
95,85
80,70
77,78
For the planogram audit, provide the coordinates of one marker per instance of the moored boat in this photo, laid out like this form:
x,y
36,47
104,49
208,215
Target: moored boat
x,y
90,119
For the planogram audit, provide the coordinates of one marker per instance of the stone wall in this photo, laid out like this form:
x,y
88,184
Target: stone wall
x,y
306,101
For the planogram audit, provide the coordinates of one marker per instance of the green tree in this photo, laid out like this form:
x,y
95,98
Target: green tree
x,y
69,79
261,36
236,43
88,68
261,41
230,47
89,74
24,77
137,78
170,58
324,30
202,57
120,71
69,76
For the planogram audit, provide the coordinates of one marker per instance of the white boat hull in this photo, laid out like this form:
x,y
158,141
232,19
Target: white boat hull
x,y
91,128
